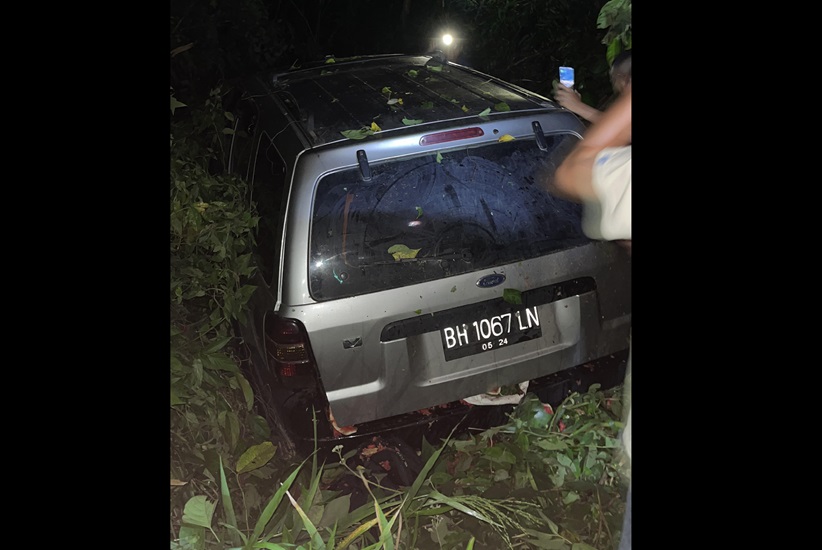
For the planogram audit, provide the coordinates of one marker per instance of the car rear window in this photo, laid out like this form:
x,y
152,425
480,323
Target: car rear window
x,y
437,215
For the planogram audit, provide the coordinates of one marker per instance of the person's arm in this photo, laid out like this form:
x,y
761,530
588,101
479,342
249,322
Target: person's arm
x,y
571,100
574,176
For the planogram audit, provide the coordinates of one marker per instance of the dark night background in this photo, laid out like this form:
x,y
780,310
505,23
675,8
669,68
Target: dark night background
x,y
522,41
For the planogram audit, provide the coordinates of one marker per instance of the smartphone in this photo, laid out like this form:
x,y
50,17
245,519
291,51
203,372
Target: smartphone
x,y
566,76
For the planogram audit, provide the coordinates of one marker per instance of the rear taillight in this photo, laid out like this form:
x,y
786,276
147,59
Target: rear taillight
x,y
287,347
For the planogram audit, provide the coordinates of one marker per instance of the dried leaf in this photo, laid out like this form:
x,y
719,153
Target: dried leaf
x,y
178,483
393,101
180,49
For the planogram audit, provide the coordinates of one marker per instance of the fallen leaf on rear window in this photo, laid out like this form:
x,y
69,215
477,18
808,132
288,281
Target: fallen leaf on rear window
x,y
386,90
412,73
486,112
393,101
399,101
400,251
411,121
430,105
435,68
506,137
330,60
375,128
419,212
502,106
464,109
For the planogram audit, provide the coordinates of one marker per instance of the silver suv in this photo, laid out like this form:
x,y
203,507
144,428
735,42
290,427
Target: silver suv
x,y
409,254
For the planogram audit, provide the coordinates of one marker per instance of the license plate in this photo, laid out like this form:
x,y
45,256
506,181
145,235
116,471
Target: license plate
x,y
490,333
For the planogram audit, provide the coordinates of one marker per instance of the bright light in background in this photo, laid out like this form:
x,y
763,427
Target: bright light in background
x,y
447,39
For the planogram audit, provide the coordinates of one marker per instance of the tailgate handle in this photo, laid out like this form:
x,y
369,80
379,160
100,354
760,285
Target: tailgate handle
x,y
538,133
365,168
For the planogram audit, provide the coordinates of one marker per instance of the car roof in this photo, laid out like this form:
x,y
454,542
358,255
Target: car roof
x,y
340,95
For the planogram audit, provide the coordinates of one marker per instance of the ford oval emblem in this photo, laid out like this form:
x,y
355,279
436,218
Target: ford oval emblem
x,y
491,280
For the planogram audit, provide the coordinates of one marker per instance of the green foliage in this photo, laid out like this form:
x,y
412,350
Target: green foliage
x,y
615,16
211,233
545,479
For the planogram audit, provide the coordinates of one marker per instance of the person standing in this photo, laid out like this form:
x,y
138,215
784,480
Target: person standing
x,y
597,172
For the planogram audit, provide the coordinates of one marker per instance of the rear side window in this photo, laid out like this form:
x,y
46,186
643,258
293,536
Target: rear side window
x,y
424,218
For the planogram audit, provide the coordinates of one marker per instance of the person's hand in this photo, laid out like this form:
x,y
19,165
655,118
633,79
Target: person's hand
x,y
572,100
568,97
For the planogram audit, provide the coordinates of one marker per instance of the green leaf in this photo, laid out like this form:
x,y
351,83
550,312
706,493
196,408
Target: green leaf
x,y
175,399
582,546
273,503
455,503
316,539
419,212
412,73
219,361
411,121
330,60
228,507
229,116
228,131
176,104
435,68
248,393
512,296
192,538
198,511
485,113
335,511
400,251
428,105
386,90
417,311
502,106
218,344
255,457
362,133
439,157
